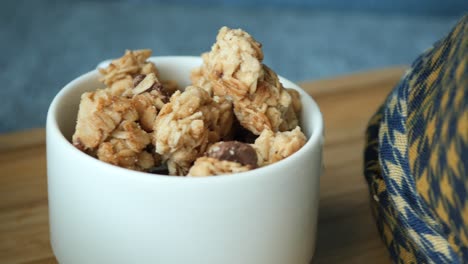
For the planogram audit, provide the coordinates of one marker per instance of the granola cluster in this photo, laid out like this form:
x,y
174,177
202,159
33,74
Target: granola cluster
x,y
115,123
235,117
272,147
188,124
118,76
234,68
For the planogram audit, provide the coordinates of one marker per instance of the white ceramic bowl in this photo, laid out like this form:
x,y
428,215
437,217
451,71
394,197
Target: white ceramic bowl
x,y
100,213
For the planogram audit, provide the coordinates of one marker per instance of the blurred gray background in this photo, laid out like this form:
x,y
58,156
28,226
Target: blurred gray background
x,y
45,44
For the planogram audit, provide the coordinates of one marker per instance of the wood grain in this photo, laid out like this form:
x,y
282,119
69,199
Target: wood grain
x,y
346,231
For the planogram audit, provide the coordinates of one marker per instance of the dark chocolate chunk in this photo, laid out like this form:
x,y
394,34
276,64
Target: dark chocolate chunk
x,y
150,148
234,151
242,134
162,170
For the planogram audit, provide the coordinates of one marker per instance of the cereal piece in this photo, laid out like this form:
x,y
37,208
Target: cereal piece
x,y
296,100
234,151
198,79
187,124
121,86
120,72
234,68
145,101
126,148
293,113
267,108
272,147
149,96
163,90
222,119
206,166
145,105
234,63
99,114
149,82
131,133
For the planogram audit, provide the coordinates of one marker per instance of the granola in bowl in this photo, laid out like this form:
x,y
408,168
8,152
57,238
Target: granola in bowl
x,y
235,116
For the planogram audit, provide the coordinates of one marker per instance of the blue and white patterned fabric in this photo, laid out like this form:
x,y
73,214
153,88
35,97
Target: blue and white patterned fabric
x,y
416,159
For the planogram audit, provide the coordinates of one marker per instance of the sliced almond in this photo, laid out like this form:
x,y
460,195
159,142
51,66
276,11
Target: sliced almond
x,y
146,84
120,134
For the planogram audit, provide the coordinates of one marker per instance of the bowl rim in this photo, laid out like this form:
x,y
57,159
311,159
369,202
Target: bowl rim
x,y
52,130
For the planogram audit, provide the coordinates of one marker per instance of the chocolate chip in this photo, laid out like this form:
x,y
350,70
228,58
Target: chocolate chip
x,y
219,74
165,92
137,79
149,148
162,170
234,151
157,86
242,134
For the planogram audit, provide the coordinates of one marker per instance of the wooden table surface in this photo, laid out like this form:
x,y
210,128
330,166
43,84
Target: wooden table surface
x,y
346,231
